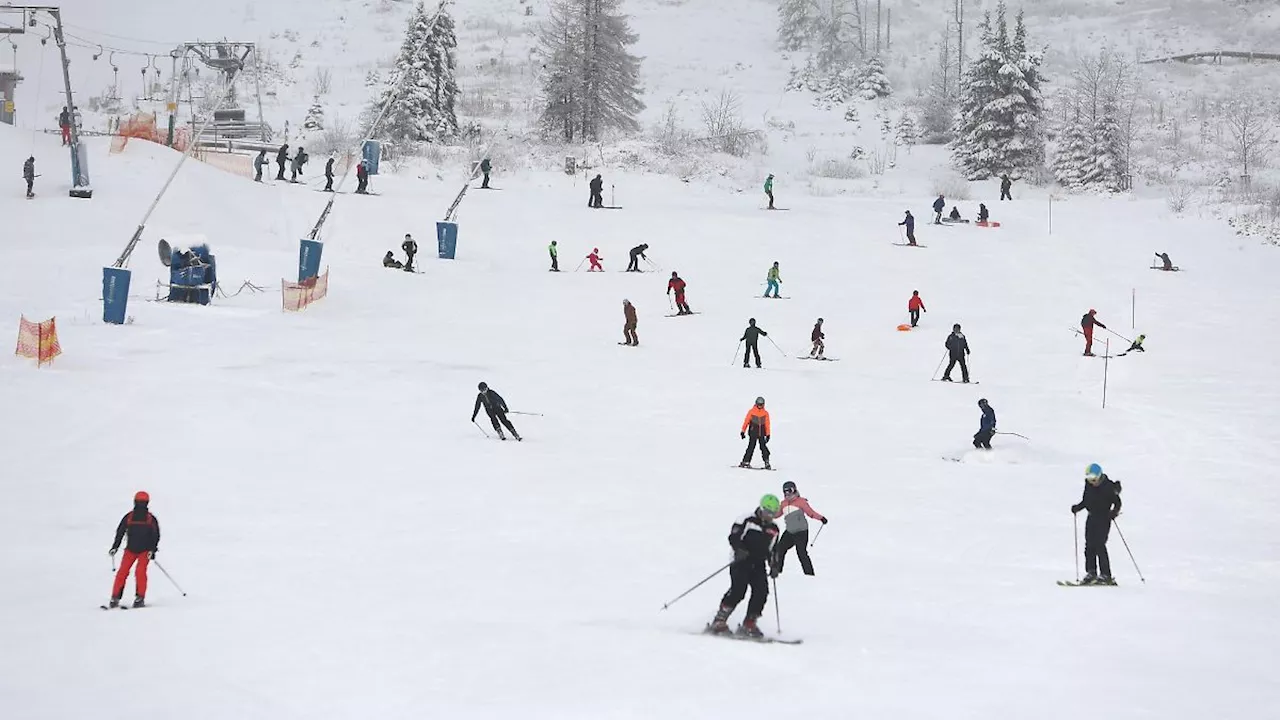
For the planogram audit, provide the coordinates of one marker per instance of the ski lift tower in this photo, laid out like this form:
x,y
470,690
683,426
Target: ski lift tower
x,y
18,19
228,59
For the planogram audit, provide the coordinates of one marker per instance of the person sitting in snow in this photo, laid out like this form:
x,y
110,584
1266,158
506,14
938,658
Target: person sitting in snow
x,y
955,214
389,261
1136,346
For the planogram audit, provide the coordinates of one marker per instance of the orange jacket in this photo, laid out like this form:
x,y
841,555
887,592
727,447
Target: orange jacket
x,y
758,417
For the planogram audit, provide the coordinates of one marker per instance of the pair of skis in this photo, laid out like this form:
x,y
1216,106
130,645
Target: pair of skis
x,y
762,639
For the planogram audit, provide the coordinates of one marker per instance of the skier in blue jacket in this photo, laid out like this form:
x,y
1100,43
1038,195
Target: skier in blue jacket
x,y
910,222
987,428
938,206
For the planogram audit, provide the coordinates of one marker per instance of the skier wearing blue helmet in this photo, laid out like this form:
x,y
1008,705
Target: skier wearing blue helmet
x,y
1102,499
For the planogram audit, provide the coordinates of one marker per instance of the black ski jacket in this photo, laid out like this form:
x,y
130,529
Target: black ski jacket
x,y
597,185
143,530
409,247
1089,321
28,170
283,156
492,402
328,168
754,535
957,345
1103,498
638,251
752,334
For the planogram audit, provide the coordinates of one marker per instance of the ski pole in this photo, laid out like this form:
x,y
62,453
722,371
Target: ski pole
x,y
935,370
672,304
784,354
1113,332
166,574
735,352
113,561
1075,539
517,412
652,264
674,600
1126,548
580,264
777,612
482,430
1024,437
815,536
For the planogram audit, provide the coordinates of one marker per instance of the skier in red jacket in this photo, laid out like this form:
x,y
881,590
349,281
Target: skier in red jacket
x,y
678,285
915,306
595,259
144,542
1086,323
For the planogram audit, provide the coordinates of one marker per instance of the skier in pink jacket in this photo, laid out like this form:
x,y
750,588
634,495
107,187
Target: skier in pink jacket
x,y
796,511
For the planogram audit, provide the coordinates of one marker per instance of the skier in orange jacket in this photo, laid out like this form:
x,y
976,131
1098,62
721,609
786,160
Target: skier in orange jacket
x,y
756,424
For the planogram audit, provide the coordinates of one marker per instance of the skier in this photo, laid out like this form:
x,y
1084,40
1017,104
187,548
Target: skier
x,y
816,338
938,206
410,248
768,189
796,529
751,538
752,337
1164,258
485,167
983,215
1102,499
957,347
597,192
299,159
144,542
29,174
915,306
1086,323
629,326
1005,184
496,408
677,284
595,259
282,157
1136,346
910,222
555,256
986,426
362,178
756,425
773,280
64,124
328,174
389,261
258,162
637,252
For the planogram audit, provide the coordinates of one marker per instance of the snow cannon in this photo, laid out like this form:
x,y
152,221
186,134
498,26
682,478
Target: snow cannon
x,y
193,271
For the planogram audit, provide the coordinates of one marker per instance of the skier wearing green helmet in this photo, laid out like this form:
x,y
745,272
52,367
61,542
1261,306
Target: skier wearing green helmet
x,y
752,538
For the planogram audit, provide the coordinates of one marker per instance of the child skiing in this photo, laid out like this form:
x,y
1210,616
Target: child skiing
x,y
751,538
1086,323
774,279
796,534
555,256
595,259
144,542
1136,346
986,426
411,249
496,408
677,284
1102,499
756,424
915,306
629,324
816,338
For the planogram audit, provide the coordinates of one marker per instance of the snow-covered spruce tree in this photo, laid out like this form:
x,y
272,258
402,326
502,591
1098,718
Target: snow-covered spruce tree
x,y
591,82
422,89
1092,147
1072,158
872,82
315,116
795,23
907,131
1027,150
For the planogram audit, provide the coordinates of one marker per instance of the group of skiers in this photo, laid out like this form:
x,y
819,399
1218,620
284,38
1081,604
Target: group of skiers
x,y
410,248
299,161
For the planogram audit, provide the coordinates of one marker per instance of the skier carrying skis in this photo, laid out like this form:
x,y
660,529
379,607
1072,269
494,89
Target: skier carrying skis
x,y
768,190
496,408
1005,184
796,534
816,337
1136,346
410,248
751,538
1102,499
774,279
915,306
555,256
986,426
629,325
756,426
1086,323
389,261
938,206
597,192
485,167
144,542
910,222
595,259
637,253
282,157
751,336
677,284
328,174
258,162
957,348
29,174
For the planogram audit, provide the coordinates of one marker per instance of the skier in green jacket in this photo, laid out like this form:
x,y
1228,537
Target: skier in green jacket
x,y
555,256
768,189
775,279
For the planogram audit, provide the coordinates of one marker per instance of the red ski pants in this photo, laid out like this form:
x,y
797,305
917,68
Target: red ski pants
x,y
140,578
1088,340
66,134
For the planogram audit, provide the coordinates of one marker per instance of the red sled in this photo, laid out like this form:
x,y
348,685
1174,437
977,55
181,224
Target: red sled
x,y
987,224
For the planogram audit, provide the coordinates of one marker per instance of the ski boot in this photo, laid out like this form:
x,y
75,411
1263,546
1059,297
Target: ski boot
x,y
1089,579
139,601
720,624
750,629
767,466
501,436
115,603
946,379
516,435
744,464
1106,580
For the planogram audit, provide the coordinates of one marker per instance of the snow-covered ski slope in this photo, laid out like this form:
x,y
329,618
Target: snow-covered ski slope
x,y
352,547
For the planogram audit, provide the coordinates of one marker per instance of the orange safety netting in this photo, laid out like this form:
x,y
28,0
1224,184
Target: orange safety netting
x,y
298,296
38,341
143,127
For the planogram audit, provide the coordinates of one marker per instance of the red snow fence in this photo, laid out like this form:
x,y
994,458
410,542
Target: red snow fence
x,y
38,341
297,296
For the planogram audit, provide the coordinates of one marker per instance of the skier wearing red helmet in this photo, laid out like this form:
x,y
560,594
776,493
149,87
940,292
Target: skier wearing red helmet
x,y
144,542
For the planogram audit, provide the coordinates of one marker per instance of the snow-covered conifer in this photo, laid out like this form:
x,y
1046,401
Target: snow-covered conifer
x,y
422,91
872,82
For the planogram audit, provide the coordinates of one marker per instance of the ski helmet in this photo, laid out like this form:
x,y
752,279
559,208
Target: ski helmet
x,y
1092,311
770,504
955,327
789,487
1093,472
673,274
760,401
819,321
982,402
141,497
483,386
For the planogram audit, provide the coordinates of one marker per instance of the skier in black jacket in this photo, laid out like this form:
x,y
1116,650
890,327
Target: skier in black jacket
x,y
637,253
751,336
957,348
597,193
496,408
29,174
1102,499
282,157
938,206
752,538
410,248
144,542
328,174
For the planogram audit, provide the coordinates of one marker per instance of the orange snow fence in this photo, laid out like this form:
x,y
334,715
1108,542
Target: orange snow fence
x,y
904,327
38,340
143,127
297,296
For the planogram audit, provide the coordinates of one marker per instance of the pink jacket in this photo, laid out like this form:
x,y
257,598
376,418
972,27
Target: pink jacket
x,y
794,509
